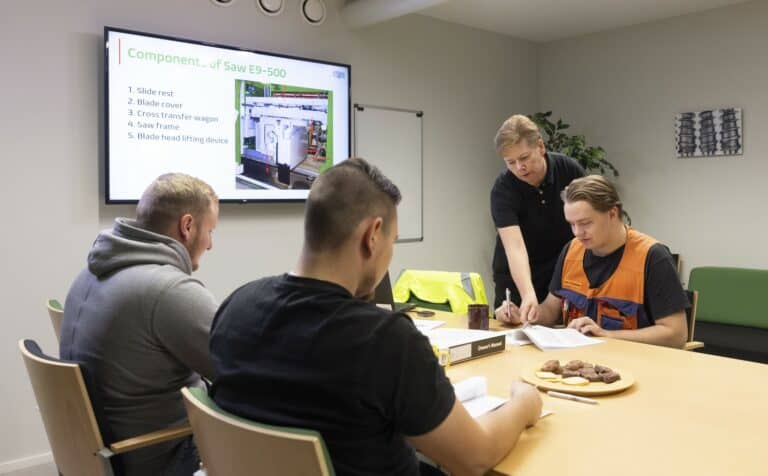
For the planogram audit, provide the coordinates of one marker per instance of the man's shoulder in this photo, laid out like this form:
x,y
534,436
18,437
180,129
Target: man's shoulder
x,y
659,251
381,327
161,277
655,248
258,284
251,292
145,282
376,317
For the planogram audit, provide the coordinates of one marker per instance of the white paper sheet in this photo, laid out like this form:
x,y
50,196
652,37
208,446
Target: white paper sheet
x,y
481,405
517,337
427,324
546,338
472,393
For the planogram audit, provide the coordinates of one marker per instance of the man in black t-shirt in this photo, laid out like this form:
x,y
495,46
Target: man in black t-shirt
x,y
611,280
305,350
528,213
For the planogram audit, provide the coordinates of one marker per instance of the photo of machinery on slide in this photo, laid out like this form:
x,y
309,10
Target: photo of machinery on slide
x,y
282,135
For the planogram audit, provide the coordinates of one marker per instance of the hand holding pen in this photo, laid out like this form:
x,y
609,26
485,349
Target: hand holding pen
x,y
507,312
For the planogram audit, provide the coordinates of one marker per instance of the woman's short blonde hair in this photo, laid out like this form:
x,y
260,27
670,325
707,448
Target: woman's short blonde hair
x,y
515,129
595,190
170,197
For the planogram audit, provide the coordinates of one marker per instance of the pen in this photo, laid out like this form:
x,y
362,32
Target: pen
x,y
568,396
507,302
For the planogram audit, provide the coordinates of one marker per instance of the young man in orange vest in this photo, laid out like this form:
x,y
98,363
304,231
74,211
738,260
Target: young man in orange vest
x,y
611,280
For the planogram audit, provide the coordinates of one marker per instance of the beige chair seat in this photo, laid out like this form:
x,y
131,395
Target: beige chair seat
x,y
234,446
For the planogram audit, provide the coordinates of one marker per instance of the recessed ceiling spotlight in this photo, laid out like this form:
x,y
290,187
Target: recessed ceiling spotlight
x,y
271,7
313,11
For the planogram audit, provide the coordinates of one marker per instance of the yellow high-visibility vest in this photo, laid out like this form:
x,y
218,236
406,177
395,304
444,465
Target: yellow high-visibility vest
x,y
457,289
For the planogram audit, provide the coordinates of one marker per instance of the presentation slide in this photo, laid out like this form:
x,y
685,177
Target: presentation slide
x,y
255,126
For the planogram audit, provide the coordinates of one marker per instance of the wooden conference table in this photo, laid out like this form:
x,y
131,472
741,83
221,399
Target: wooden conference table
x,y
687,413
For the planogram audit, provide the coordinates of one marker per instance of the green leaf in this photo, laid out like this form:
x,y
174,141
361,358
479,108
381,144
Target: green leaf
x,y
592,158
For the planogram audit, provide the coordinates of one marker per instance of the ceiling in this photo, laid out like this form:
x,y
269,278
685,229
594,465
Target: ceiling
x,y
547,20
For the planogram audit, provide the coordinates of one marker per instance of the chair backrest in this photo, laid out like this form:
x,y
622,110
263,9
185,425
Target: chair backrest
x,y
233,446
56,313
690,313
731,296
67,414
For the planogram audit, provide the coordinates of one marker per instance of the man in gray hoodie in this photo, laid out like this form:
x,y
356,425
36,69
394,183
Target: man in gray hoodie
x,y
139,323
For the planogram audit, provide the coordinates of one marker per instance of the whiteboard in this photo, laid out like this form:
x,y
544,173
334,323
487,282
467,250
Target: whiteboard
x,y
391,139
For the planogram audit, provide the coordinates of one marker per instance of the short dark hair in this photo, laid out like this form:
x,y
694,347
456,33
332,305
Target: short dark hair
x,y
341,198
169,197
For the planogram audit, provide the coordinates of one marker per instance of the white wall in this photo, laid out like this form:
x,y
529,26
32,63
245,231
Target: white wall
x,y
466,81
623,88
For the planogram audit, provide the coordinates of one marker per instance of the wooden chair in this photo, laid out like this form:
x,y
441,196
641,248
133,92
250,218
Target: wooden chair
x,y
71,423
233,446
56,313
690,317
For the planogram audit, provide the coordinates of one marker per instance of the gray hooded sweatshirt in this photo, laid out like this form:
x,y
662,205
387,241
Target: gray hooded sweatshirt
x,y
138,322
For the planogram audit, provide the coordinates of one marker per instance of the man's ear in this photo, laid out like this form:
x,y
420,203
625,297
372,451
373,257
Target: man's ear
x,y
371,236
185,227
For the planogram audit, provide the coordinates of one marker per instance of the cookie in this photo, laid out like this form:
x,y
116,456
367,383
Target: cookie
x,y
547,375
601,370
610,377
574,365
550,365
575,381
592,376
595,378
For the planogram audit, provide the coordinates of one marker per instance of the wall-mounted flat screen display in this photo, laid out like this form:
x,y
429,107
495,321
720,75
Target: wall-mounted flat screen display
x,y
256,126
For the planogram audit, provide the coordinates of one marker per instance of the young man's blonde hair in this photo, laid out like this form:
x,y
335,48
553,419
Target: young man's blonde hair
x,y
514,130
170,197
595,190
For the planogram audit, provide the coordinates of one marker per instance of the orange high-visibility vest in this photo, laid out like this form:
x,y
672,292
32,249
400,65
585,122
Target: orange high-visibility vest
x,y
618,302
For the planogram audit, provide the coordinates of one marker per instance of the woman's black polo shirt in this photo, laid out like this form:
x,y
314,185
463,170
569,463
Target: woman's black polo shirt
x,y
538,211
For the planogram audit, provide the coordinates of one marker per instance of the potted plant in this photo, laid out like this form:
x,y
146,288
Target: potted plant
x,y
590,157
